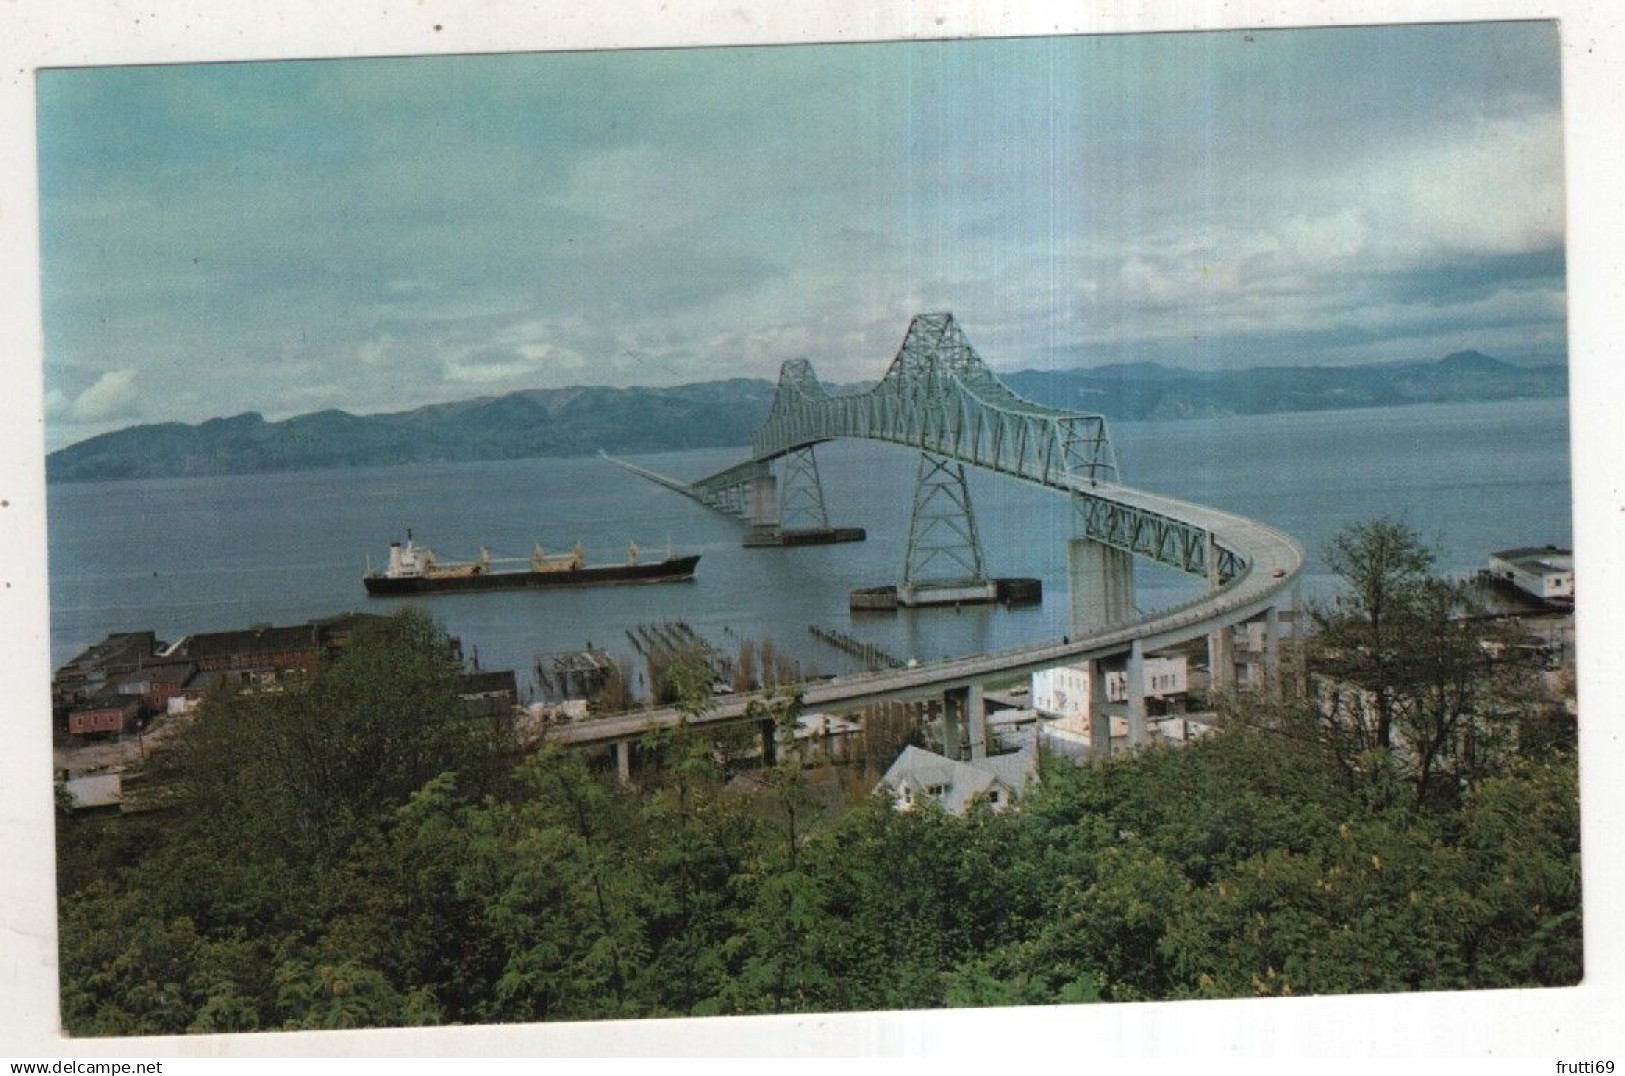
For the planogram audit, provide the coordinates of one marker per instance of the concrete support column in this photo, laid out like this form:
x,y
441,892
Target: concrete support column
x,y
1100,582
764,501
1272,651
1221,659
770,742
1100,718
976,721
623,760
1138,734
953,705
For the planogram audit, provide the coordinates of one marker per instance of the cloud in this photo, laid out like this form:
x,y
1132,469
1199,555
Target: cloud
x,y
284,235
113,395
1494,186
489,365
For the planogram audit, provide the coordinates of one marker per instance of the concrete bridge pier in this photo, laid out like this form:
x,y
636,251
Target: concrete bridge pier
x,y
623,761
950,726
764,501
964,717
1138,732
1100,718
1221,653
1263,652
1100,584
1221,659
1272,652
976,706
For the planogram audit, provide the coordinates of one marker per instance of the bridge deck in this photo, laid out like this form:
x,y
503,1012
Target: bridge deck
x,y
1271,559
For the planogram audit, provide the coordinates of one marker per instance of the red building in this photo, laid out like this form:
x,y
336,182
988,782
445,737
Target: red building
x,y
106,714
267,650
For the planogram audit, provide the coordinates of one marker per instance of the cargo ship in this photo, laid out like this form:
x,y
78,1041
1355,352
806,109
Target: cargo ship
x,y
415,570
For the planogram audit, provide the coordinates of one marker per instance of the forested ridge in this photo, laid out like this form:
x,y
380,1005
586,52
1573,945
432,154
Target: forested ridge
x,y
346,854
715,414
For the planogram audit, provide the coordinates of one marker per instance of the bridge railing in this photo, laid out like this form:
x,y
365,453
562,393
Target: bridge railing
x,y
1205,607
939,396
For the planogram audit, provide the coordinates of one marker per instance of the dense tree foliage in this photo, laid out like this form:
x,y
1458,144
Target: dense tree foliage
x,y
1407,675
354,852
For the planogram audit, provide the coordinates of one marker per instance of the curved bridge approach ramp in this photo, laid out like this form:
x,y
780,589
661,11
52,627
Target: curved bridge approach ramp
x,y
939,397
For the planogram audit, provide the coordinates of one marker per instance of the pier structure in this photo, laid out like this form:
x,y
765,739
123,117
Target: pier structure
x,y
574,674
939,398
943,564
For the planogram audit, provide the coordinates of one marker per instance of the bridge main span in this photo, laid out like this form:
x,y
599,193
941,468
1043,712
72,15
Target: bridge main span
x,y
939,397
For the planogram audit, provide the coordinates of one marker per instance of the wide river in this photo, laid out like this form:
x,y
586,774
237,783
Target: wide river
x,y
205,554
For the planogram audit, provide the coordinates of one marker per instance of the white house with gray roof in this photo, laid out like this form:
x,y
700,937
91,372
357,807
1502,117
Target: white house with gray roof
x,y
919,775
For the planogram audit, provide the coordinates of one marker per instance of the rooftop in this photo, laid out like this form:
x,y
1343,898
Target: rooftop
x,y
260,640
954,784
1552,555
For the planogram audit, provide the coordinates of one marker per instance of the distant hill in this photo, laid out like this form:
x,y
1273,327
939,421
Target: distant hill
x,y
1149,391
540,422
575,421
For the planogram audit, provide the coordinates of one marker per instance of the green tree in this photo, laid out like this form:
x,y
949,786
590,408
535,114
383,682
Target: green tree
x,y
1383,565
1520,833
297,767
568,896
272,859
1404,678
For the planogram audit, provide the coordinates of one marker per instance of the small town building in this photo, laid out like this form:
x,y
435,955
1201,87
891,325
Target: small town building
x,y
1013,729
89,672
95,792
826,738
1544,572
919,776
1182,728
491,693
108,714
261,649
1063,691
1072,738
155,684
267,650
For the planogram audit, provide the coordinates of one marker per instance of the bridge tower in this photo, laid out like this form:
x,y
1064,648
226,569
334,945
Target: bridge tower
x,y
943,564
801,494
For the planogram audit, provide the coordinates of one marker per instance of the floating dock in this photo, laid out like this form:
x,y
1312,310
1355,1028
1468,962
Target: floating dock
x,y
1017,590
767,537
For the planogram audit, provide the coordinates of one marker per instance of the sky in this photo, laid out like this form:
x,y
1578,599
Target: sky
x,y
378,234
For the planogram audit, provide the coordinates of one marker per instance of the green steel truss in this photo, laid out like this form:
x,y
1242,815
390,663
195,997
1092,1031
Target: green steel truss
x,y
1152,535
729,490
943,546
801,494
940,397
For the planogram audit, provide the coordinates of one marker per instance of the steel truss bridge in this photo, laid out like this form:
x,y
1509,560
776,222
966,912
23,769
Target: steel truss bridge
x,y
939,397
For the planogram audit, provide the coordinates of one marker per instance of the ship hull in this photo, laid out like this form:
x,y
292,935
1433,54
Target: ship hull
x,y
675,569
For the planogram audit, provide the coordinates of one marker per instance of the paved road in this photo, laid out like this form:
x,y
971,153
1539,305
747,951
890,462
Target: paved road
x,y
1272,562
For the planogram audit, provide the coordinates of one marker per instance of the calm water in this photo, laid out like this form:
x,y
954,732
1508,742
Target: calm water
x,y
205,554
